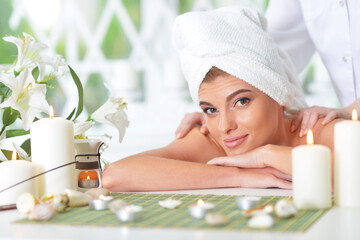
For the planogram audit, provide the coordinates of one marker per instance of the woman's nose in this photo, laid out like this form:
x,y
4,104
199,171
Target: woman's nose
x,y
227,122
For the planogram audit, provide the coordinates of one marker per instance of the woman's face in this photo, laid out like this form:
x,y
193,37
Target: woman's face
x,y
239,116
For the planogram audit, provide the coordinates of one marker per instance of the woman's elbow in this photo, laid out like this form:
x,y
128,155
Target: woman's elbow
x,y
113,178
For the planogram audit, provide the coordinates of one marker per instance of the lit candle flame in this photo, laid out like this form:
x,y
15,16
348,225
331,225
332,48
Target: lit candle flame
x,y
354,115
14,156
101,196
200,202
51,112
88,178
310,137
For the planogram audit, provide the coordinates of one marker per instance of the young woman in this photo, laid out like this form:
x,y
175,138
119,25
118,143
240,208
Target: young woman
x,y
245,86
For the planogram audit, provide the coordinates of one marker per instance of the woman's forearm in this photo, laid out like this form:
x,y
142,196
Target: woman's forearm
x,y
278,157
149,173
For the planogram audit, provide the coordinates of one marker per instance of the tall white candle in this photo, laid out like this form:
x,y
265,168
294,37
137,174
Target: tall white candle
x,y
52,145
12,172
311,175
347,163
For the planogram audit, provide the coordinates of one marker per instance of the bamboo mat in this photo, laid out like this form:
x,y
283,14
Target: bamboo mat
x,y
155,216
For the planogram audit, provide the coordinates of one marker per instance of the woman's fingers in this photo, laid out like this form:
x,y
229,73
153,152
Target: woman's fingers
x,y
329,117
188,122
246,160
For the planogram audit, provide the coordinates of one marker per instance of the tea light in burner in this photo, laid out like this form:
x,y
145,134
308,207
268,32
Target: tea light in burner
x,y
200,209
129,213
101,203
247,202
88,180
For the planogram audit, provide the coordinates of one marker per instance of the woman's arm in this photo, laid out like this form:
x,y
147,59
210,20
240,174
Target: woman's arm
x,y
180,166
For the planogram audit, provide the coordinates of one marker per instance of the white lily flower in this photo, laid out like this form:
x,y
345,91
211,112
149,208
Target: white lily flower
x,y
61,65
21,152
30,54
81,127
112,113
27,97
2,137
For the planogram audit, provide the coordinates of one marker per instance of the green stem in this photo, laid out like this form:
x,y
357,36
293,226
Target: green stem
x,y
2,130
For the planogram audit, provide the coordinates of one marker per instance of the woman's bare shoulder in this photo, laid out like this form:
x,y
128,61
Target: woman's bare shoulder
x,y
325,134
194,147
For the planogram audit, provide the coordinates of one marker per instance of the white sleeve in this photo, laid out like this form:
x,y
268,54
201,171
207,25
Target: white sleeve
x,y
287,27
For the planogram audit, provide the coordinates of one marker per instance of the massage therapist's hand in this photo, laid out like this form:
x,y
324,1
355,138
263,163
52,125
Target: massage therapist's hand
x,y
274,156
189,121
306,118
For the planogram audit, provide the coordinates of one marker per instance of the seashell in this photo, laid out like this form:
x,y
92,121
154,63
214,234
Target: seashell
x,y
170,203
95,193
261,221
285,208
41,212
59,202
77,199
117,204
265,209
215,219
26,203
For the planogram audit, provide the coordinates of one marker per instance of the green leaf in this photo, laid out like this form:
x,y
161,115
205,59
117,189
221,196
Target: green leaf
x,y
16,73
7,153
35,72
9,116
16,132
80,92
26,145
71,114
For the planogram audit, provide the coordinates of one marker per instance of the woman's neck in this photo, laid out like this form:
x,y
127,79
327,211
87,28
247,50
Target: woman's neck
x,y
284,136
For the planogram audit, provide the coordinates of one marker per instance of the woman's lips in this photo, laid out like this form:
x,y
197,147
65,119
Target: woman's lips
x,y
236,141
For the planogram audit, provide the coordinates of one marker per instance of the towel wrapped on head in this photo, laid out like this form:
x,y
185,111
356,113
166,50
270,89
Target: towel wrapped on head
x,y
234,39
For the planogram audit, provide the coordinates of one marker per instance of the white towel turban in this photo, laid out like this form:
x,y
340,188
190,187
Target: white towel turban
x,y
234,39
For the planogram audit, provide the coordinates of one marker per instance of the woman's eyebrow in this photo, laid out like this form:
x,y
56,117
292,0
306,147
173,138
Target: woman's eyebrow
x,y
204,103
228,98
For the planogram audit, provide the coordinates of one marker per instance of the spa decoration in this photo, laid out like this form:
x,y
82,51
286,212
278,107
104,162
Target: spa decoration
x,y
129,213
23,88
100,203
41,212
77,199
52,145
311,175
170,203
247,202
200,209
265,209
285,208
261,221
97,192
12,172
216,219
117,204
347,164
26,203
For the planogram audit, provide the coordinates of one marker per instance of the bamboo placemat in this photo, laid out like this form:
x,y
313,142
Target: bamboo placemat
x,y
155,216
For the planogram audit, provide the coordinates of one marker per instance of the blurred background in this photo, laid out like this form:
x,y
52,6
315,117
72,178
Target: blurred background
x,y
126,44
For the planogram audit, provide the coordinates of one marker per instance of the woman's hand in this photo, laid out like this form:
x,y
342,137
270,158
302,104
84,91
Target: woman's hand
x,y
189,121
307,118
274,156
263,178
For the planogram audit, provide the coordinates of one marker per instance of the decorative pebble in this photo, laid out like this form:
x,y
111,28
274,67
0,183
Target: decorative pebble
x,y
215,219
76,198
41,212
261,221
170,203
285,208
265,209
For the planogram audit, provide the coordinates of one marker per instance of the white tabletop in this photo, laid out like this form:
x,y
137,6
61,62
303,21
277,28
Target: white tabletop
x,y
338,223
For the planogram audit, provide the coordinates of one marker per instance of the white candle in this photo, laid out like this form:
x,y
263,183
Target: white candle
x,y
311,175
347,163
12,172
52,145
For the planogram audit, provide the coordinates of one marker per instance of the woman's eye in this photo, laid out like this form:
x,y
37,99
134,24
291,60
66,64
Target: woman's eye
x,y
209,110
243,101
